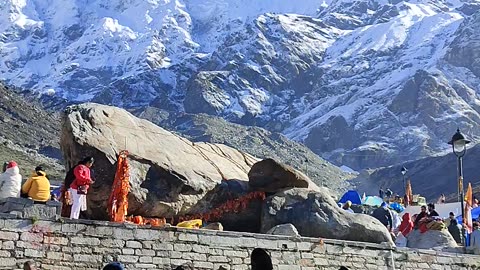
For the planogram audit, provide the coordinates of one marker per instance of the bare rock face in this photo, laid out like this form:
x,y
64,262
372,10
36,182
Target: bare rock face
x,y
315,214
216,226
430,239
169,174
271,176
284,229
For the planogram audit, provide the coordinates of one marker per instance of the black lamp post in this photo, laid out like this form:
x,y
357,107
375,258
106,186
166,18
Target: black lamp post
x,y
404,171
459,146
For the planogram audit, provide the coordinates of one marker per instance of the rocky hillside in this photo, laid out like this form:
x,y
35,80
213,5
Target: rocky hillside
x,y
29,134
362,83
253,140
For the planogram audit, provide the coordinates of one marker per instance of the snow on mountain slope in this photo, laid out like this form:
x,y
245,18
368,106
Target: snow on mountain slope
x,y
363,83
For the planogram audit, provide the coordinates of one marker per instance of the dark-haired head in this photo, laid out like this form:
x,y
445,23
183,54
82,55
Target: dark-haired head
x,y
114,266
88,161
39,170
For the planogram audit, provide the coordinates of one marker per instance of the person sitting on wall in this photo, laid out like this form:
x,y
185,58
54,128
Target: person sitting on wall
x,y
37,186
10,181
347,207
423,213
431,210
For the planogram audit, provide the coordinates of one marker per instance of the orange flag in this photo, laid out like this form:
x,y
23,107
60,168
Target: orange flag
x,y
467,220
469,195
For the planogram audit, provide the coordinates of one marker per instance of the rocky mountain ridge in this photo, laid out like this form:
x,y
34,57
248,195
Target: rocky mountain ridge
x,y
362,83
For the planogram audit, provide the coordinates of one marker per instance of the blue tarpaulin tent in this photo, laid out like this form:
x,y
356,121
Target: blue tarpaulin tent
x,y
475,215
373,201
352,196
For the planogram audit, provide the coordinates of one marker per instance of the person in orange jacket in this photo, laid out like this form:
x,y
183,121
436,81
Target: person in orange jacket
x,y
79,187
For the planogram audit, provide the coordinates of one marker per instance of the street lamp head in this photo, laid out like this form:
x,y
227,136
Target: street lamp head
x,y
459,144
404,170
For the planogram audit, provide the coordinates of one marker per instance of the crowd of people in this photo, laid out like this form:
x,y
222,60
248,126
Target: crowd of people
x,y
427,219
37,186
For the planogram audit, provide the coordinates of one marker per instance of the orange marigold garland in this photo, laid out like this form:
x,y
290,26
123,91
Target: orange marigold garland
x,y
230,206
118,201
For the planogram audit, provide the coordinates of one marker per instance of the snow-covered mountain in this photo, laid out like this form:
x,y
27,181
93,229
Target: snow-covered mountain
x,y
365,83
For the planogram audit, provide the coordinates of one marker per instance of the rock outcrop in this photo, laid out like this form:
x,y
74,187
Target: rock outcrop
x,y
169,175
271,176
430,239
284,229
315,214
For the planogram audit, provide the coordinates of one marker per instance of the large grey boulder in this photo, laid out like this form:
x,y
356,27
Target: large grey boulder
x,y
315,214
271,176
284,229
430,239
169,175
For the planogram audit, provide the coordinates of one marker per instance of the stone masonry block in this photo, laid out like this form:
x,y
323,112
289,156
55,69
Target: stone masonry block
x,y
134,244
63,241
146,259
101,231
112,243
200,249
162,246
8,262
145,266
194,256
161,260
8,236
8,245
90,241
187,237
145,252
128,251
222,259
203,265
178,262
36,253
182,247
235,253
127,258
87,258
124,234
32,237
73,228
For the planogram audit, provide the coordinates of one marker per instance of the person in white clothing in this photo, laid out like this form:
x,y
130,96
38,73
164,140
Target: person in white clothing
x,y
10,181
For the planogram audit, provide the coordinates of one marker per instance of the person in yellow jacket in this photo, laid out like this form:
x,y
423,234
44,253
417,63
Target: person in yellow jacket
x,y
37,186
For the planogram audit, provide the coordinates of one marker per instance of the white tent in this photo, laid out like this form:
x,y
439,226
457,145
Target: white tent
x,y
442,209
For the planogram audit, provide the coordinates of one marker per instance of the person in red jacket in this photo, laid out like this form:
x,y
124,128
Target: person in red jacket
x,y
79,187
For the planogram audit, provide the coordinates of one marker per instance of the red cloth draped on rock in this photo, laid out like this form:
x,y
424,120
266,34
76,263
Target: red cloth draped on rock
x,y
118,201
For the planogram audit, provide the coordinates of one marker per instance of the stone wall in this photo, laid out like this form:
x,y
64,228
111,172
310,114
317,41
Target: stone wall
x,y
91,244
